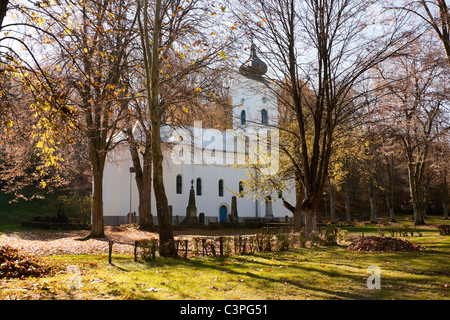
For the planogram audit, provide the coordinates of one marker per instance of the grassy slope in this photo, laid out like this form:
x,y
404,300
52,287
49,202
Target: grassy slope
x,y
309,273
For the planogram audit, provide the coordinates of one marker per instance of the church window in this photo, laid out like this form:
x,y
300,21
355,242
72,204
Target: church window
x,y
199,186
179,184
220,188
243,119
264,117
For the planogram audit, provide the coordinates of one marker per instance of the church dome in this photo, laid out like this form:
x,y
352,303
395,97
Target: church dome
x,y
253,67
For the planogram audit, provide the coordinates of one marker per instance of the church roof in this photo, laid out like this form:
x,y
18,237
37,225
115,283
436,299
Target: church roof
x,y
254,67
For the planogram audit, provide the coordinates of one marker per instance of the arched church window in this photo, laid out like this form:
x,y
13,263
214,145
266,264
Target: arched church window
x,y
199,186
264,117
179,184
243,119
220,188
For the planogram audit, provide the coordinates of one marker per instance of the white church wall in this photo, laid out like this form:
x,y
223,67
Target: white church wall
x,y
119,199
116,191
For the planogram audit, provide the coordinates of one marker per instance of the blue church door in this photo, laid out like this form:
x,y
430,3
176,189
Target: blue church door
x,y
223,214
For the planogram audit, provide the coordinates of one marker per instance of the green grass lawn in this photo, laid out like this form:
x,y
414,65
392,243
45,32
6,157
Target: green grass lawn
x,y
320,272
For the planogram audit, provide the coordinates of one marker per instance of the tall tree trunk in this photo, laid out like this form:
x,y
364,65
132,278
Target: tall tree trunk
x,y
298,205
3,9
151,63
332,190
310,220
97,229
416,196
373,202
389,186
167,244
145,195
298,218
444,193
143,177
309,208
347,201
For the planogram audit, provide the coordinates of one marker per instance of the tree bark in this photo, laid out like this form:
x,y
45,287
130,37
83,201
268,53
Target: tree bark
x,y
444,194
97,228
310,220
297,209
166,240
332,190
3,9
151,63
143,177
145,194
347,202
415,191
373,202
389,186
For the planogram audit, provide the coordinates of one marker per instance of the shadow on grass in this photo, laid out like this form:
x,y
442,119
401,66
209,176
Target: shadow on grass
x,y
299,276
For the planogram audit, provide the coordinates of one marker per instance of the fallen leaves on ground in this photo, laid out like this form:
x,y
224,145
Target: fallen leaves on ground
x,y
47,243
18,265
379,244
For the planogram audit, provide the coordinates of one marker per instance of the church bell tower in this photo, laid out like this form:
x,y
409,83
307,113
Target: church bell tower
x,y
254,100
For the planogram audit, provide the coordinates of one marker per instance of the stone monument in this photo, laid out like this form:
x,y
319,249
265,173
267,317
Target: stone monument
x,y
191,210
269,211
234,211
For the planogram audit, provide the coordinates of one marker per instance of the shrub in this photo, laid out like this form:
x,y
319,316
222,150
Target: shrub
x,y
328,236
315,238
148,248
77,206
267,242
342,236
381,230
444,230
283,241
403,230
301,238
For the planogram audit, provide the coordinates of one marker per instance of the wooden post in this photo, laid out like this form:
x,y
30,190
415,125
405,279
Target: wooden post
x,y
244,246
221,245
203,246
153,248
136,243
110,245
213,249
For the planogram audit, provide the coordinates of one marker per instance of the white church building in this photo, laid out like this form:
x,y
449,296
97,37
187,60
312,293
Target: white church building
x,y
208,160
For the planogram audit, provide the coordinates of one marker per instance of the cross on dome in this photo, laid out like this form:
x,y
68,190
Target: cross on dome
x,y
253,67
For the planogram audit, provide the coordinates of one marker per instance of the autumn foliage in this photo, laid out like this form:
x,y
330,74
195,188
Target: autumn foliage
x,y
17,265
379,244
